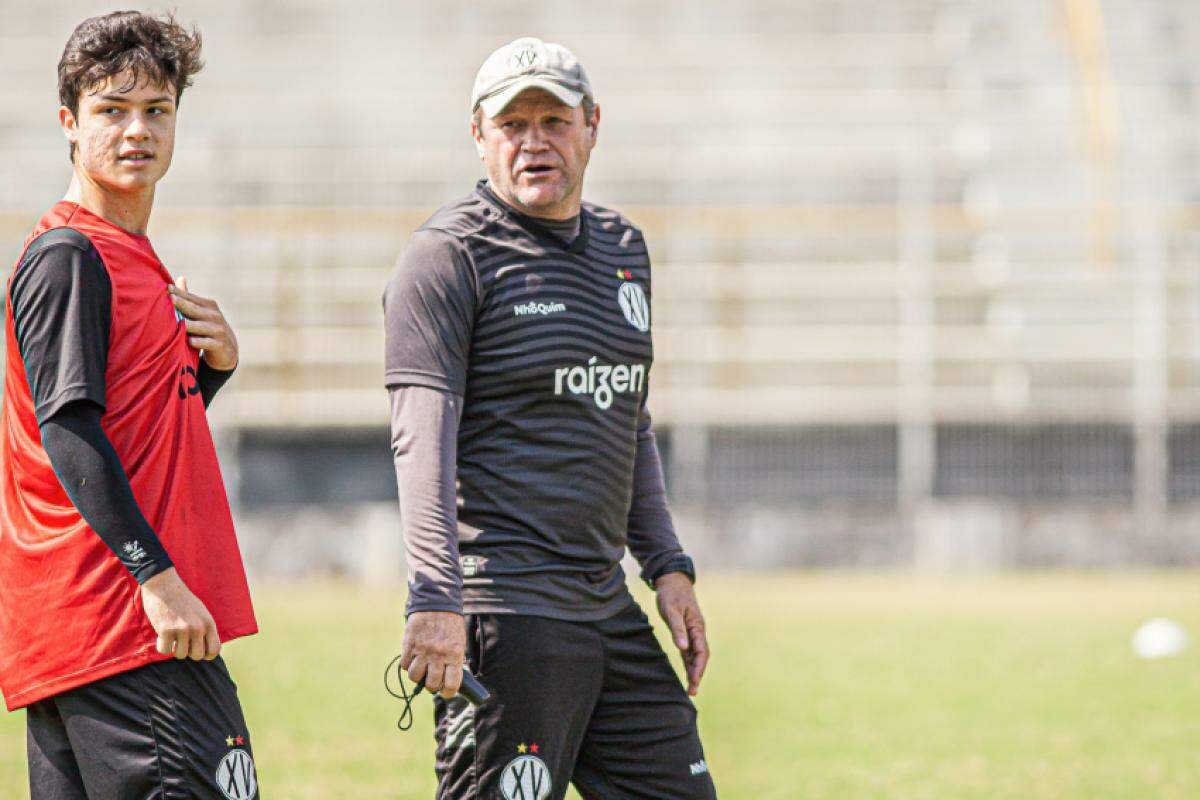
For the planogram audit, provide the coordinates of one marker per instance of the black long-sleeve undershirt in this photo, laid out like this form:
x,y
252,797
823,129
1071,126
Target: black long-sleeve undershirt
x,y
211,380
91,473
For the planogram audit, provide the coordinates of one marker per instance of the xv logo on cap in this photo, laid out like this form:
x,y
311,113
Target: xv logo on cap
x,y
525,58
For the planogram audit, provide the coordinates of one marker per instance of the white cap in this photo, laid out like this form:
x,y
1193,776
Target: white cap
x,y
529,63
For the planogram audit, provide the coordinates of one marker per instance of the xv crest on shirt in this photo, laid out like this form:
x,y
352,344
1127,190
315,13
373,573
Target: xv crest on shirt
x,y
548,340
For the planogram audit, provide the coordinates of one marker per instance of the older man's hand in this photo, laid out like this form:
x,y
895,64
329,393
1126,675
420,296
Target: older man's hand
x,y
435,644
680,610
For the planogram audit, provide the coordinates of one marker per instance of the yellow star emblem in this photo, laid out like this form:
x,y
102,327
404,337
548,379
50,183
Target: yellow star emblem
x,y
229,741
521,748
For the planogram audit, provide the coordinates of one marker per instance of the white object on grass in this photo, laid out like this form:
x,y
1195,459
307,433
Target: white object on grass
x,y
1159,638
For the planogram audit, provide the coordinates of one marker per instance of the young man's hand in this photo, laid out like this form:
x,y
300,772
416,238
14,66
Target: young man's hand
x,y
207,327
681,611
435,643
185,628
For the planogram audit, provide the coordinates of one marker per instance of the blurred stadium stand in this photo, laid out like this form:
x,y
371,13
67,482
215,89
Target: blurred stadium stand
x,y
925,271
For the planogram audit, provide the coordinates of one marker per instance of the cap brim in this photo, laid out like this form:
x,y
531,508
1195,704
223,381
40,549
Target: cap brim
x,y
496,103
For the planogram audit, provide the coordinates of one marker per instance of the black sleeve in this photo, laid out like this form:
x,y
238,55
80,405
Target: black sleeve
x,y
92,475
429,311
62,303
651,534
211,380
425,447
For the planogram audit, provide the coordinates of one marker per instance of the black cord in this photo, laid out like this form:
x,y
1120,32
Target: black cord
x,y
406,715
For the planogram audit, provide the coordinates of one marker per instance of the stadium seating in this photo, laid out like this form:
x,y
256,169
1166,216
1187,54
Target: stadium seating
x,y
908,255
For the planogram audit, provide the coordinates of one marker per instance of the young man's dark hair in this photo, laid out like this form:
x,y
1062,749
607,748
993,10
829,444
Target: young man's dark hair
x,y
154,49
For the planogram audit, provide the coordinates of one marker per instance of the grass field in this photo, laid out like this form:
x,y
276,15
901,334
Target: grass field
x,y
822,686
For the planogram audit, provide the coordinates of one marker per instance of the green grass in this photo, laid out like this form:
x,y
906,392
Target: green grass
x,y
822,686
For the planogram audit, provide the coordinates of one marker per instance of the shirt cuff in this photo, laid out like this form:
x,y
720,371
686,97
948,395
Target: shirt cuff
x,y
145,571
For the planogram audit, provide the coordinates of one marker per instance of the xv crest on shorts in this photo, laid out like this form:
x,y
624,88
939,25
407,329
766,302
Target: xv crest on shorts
x,y
526,777
236,777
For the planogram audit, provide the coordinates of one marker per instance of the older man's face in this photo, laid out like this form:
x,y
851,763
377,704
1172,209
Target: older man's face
x,y
536,151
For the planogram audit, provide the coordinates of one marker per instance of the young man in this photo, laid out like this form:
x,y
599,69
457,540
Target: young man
x,y
518,351
120,574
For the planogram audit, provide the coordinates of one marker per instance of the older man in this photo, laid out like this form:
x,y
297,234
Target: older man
x,y
518,354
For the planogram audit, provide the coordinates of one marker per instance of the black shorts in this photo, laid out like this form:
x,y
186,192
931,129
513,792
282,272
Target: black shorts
x,y
172,730
595,704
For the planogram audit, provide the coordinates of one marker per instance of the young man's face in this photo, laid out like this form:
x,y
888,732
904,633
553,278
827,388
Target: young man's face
x,y
535,151
123,139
